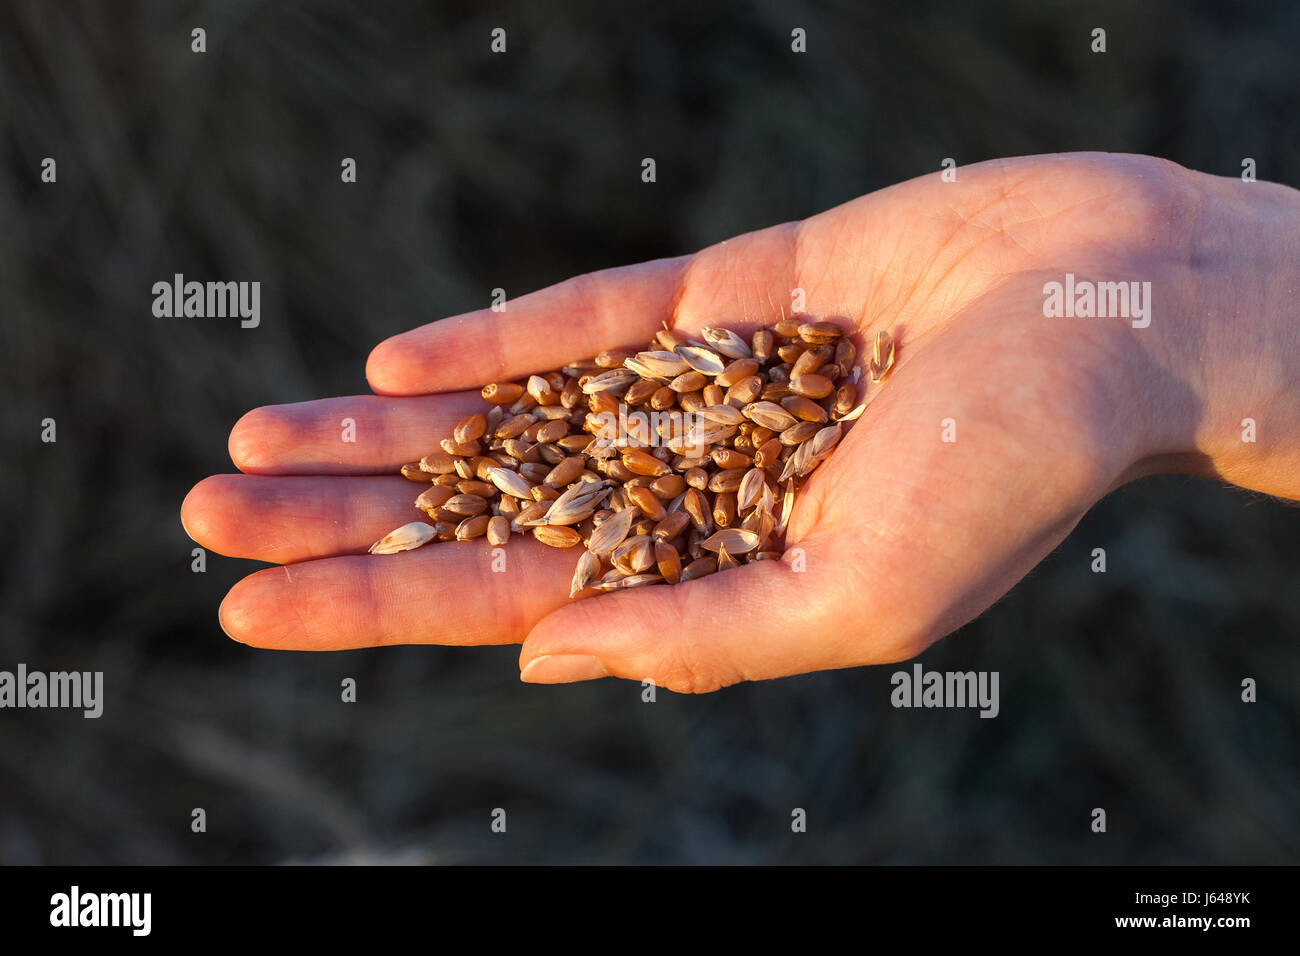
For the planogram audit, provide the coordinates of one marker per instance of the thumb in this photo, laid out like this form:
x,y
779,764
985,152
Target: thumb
x,y
760,620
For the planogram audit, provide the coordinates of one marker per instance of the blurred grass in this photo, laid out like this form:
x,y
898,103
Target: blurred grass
x,y
1118,690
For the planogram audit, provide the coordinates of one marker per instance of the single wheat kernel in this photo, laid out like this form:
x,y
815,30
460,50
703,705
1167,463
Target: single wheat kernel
x,y
799,433
669,562
550,455
745,391
641,462
438,463
812,386
751,488
413,472
498,530
557,537
804,409
612,358
640,392
882,355
705,361
729,458
648,502
769,415
845,397
810,361
669,486
699,568
578,502
727,480
614,382
725,560
565,472
587,569
722,414
737,372
724,508
472,528
510,482
635,555
688,382
632,581
671,526
502,393
405,538
736,540
726,342
612,532
697,506
768,453
470,429
818,333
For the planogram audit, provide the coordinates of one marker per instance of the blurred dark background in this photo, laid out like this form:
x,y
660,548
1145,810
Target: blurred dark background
x,y
1119,690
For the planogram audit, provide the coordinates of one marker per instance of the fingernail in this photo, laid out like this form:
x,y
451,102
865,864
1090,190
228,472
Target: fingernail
x,y
222,612
563,669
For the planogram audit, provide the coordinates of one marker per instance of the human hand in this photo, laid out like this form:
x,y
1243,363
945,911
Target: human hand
x,y
997,430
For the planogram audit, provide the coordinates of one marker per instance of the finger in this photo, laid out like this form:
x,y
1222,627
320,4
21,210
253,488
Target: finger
x,y
446,593
758,621
287,519
546,329
359,434
739,283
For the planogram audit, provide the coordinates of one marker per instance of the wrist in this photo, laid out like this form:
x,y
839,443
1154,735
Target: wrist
x,y
1218,363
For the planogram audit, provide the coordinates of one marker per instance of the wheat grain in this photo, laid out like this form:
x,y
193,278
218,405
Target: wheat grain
x,y
709,485
405,538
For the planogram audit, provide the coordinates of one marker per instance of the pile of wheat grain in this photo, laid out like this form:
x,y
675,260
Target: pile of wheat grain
x,y
665,465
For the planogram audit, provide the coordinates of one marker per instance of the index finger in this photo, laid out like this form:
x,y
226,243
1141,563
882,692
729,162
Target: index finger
x,y
572,320
737,283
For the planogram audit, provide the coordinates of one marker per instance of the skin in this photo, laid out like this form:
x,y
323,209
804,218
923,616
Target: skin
x,y
905,537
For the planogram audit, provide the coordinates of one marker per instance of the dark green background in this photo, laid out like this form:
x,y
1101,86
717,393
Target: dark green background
x,y
476,171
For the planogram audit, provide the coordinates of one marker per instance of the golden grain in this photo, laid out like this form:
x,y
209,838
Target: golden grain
x,y
669,562
647,501
557,537
819,333
882,355
737,416
498,530
413,472
405,538
500,393
472,528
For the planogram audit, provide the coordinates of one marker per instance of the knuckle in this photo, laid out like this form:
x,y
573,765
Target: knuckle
x,y
685,673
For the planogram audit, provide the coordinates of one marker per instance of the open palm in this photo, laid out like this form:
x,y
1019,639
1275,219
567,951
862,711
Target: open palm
x,y
993,435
